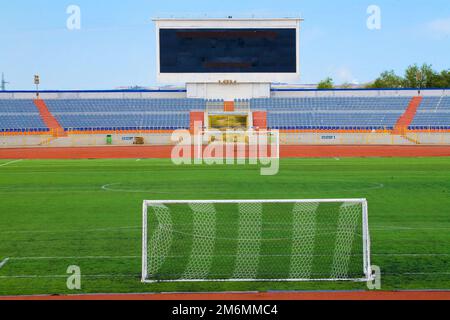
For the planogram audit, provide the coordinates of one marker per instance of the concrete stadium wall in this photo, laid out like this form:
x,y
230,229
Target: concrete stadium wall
x,y
81,140
117,140
430,138
342,139
164,139
23,141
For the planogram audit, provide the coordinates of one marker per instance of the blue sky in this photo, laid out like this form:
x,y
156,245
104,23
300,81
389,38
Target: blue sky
x,y
116,43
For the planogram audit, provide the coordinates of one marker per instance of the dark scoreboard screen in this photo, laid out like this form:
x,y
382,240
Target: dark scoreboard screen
x,y
228,50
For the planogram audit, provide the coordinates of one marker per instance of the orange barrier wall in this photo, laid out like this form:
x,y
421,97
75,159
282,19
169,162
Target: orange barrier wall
x,y
197,116
260,119
228,106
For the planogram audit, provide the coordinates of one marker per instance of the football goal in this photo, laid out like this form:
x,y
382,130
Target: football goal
x,y
256,240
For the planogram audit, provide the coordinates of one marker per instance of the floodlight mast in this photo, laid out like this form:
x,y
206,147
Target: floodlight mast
x,y
37,81
3,83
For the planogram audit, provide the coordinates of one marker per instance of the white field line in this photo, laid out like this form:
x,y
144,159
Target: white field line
x,y
10,162
135,275
70,231
412,254
392,228
65,276
78,258
110,187
2,264
137,228
139,257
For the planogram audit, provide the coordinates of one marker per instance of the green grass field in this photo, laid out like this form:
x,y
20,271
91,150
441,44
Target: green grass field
x,y
54,214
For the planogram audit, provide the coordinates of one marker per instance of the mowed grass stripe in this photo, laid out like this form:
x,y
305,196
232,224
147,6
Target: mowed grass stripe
x,y
276,242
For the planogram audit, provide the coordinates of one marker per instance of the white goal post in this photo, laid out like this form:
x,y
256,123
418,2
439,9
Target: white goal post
x,y
256,240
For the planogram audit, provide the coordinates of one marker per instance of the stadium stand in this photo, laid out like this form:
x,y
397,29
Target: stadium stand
x,y
433,114
124,114
215,105
20,116
302,113
330,113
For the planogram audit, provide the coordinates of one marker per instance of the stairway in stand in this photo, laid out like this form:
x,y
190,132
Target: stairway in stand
x,y
228,106
49,120
407,118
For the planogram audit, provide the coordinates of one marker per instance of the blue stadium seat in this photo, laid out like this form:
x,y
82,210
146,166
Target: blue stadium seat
x,y
433,113
330,113
19,115
125,114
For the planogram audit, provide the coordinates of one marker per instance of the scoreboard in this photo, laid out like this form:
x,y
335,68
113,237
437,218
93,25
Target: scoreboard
x,y
228,50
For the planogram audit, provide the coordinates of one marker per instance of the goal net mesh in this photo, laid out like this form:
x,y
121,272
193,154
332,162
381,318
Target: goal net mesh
x,y
255,241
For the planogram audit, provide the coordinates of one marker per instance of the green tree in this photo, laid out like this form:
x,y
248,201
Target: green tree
x,y
441,80
420,77
387,79
445,75
326,84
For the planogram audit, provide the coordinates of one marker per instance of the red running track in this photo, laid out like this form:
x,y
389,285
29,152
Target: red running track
x,y
274,296
164,152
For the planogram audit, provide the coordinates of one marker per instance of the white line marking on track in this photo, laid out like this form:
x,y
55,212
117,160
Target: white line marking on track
x,y
2,264
10,162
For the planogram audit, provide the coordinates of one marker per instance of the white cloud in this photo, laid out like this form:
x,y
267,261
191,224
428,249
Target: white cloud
x,y
439,27
345,75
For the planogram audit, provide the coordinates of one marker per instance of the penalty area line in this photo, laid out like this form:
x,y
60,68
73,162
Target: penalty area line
x,y
79,258
56,276
132,257
2,264
10,162
136,276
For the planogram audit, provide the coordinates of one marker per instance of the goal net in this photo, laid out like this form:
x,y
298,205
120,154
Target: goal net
x,y
260,240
